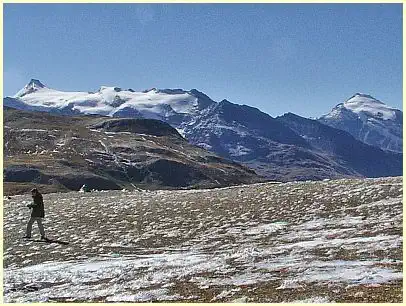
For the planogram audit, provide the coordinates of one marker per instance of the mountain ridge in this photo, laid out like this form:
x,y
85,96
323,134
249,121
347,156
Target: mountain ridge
x,y
242,133
344,148
368,120
62,153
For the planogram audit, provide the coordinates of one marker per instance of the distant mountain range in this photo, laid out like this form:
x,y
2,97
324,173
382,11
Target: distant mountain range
x,y
360,137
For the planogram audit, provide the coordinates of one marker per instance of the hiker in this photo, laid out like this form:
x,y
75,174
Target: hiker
x,y
37,214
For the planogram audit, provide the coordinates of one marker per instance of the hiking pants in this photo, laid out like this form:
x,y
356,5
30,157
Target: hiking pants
x,y
40,226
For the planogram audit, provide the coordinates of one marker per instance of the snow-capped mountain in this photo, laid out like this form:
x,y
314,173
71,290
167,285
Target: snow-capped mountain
x,y
369,120
343,148
238,132
109,101
234,131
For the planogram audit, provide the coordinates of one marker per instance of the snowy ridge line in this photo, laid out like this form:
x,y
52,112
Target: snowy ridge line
x,y
360,104
368,120
107,101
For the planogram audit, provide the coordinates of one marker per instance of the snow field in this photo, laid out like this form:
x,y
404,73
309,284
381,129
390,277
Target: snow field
x,y
293,242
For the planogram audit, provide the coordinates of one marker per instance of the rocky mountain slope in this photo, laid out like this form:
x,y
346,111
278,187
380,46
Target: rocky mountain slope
x,y
63,153
344,149
368,120
330,241
238,132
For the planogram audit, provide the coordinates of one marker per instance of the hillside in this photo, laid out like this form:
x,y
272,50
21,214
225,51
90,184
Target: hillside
x,y
61,153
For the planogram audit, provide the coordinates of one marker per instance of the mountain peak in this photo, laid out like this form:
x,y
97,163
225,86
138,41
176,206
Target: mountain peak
x,y
363,98
367,106
368,120
33,85
359,94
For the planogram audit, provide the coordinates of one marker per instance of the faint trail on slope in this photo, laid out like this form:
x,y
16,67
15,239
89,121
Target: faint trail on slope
x,y
118,163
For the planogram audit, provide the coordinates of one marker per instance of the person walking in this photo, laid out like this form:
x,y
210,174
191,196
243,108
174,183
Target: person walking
x,y
37,214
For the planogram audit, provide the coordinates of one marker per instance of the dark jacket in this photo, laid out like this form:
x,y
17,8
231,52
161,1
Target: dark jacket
x,y
37,207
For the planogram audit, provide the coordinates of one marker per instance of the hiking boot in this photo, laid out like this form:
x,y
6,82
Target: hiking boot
x,y
26,237
44,238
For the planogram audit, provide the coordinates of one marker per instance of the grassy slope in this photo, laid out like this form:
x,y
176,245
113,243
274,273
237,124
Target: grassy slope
x,y
257,243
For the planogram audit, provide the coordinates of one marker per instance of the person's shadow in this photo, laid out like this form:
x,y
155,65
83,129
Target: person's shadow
x,y
49,240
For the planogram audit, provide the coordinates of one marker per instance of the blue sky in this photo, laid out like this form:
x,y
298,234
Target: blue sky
x,y
300,58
